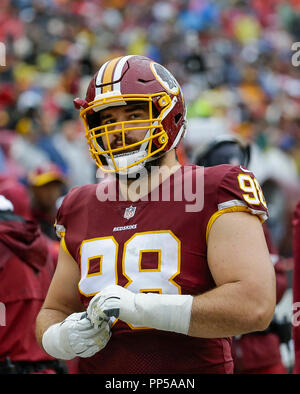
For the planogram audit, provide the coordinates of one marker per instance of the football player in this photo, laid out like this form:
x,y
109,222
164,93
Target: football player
x,y
143,277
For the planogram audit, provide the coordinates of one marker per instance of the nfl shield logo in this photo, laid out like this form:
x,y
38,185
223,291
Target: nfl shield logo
x,y
129,212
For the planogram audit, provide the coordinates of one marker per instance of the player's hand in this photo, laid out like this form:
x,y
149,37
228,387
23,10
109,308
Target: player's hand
x,y
113,301
76,337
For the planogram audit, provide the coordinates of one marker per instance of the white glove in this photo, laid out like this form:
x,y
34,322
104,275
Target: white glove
x,y
76,337
161,311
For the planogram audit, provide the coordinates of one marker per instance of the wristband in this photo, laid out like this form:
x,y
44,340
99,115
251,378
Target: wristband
x,y
161,311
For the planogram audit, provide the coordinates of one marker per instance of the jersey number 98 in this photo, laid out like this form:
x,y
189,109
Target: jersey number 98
x,y
106,250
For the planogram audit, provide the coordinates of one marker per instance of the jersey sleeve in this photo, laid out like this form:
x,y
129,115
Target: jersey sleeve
x,y
63,218
239,191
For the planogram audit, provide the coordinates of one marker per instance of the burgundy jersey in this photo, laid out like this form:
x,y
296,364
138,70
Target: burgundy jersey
x,y
296,288
155,246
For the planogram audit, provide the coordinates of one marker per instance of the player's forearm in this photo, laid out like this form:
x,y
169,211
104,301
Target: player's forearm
x,y
228,310
45,319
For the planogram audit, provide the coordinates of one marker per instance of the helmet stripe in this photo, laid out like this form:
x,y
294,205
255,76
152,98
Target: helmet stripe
x,y
109,72
108,75
99,79
118,71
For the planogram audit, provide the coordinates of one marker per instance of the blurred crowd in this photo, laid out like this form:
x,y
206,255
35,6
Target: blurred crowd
x,y
233,59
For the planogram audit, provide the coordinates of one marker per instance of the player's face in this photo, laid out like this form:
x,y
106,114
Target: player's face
x,y
135,116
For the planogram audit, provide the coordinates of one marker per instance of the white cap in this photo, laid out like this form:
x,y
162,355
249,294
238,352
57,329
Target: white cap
x,y
5,204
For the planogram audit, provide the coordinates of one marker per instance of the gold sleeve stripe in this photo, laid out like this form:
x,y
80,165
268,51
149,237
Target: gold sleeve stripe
x,y
61,233
220,212
64,246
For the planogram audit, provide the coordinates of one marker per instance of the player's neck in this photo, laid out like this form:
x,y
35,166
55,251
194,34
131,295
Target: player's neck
x,y
135,189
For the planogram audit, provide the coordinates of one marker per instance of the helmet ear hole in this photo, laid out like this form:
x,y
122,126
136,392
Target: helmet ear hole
x,y
177,117
155,111
93,120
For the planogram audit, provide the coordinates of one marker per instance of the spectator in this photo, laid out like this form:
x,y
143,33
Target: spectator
x,y
26,269
46,185
71,145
